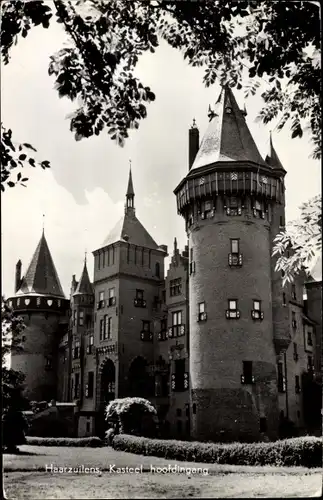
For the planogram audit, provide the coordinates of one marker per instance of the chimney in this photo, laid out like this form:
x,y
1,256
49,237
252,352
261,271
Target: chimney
x,y
193,144
18,276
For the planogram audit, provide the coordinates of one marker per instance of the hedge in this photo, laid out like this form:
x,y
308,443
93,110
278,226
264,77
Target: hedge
x,y
91,442
302,451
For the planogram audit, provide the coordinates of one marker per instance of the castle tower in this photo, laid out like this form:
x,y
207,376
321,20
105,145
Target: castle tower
x,y
40,300
83,364
228,200
128,271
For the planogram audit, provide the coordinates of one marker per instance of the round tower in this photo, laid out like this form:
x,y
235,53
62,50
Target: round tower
x,y
40,300
228,200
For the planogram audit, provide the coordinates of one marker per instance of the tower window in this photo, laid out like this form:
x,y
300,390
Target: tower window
x,y
202,313
146,326
294,292
111,295
90,344
192,263
157,269
74,317
310,364
297,384
235,258
256,312
309,338
101,302
232,311
81,318
263,424
177,318
281,377
234,243
295,351
247,377
139,300
101,328
90,384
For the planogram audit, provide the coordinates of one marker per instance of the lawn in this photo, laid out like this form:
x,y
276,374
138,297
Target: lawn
x,y
25,477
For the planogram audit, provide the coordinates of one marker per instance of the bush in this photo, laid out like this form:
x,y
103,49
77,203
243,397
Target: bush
x,y
304,451
91,442
14,426
135,416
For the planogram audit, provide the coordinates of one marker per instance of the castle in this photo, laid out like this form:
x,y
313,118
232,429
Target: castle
x,y
221,349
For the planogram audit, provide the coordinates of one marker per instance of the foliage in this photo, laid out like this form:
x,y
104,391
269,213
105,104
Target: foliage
x,y
131,416
300,242
232,40
14,156
12,328
88,442
109,436
14,425
304,451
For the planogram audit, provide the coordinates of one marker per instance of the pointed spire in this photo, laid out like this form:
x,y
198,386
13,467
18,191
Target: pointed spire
x,y
227,137
175,246
130,194
272,157
84,285
41,276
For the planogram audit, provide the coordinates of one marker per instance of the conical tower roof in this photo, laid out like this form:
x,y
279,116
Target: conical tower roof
x,y
227,138
272,157
129,228
41,276
84,286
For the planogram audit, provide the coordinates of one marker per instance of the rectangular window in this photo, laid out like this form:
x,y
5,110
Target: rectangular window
x,y
309,338
177,318
107,327
293,292
281,221
247,377
112,298
294,325
179,374
81,318
232,304
295,351
234,246
113,254
175,287
146,326
256,305
99,261
201,311
310,365
281,377
163,325
74,317
297,384
101,328
76,386
101,296
103,258
90,384
139,294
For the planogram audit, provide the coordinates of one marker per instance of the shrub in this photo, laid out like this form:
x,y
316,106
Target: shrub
x,y
91,442
14,426
134,416
304,451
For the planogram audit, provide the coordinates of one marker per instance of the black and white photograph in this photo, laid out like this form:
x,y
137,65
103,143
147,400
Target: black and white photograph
x,y
161,249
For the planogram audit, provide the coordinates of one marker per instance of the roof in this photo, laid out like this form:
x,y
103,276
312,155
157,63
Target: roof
x,y
41,276
272,157
227,137
84,286
130,190
130,229
316,272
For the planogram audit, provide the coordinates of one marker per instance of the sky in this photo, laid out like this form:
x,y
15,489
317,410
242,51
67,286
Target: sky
x,y
83,194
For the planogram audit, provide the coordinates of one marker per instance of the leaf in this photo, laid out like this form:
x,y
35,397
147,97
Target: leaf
x,y
29,146
11,184
32,162
22,157
19,176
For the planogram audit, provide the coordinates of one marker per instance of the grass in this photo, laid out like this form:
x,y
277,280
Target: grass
x,y
22,485
25,477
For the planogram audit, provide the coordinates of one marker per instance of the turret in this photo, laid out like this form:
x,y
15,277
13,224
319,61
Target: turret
x,y
18,276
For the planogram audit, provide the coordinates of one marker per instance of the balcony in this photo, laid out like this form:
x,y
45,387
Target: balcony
x,y
176,331
111,301
100,304
163,335
235,259
139,303
202,316
233,211
247,380
232,314
256,314
108,349
179,382
146,336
